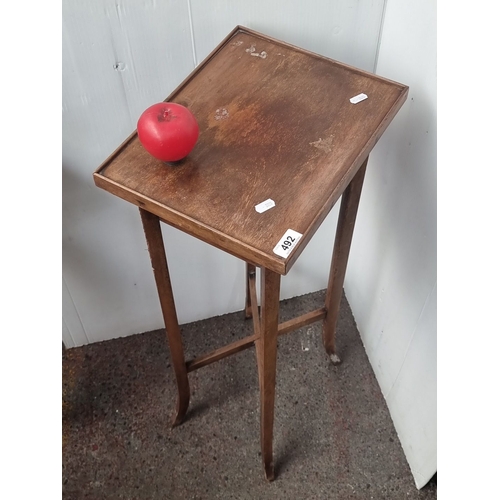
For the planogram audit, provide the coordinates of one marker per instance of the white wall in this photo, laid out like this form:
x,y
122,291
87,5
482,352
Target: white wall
x,y
391,279
120,56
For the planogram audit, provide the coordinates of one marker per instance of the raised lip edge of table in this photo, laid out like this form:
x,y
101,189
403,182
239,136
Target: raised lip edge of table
x,y
197,228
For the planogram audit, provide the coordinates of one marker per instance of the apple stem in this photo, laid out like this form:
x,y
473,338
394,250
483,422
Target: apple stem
x,y
165,115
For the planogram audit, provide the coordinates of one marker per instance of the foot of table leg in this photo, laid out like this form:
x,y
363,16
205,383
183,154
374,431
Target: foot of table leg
x,y
182,406
249,272
343,238
266,353
269,470
156,248
335,359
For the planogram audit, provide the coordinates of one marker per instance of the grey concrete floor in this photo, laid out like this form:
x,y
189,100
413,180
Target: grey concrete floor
x,y
334,437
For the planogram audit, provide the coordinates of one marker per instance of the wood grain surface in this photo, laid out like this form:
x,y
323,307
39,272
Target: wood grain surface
x,y
275,122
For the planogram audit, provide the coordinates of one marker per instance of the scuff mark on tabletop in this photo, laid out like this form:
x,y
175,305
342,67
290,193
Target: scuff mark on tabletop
x,y
325,145
221,114
252,52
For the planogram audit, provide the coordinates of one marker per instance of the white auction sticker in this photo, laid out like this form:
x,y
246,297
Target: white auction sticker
x,y
287,243
358,98
265,205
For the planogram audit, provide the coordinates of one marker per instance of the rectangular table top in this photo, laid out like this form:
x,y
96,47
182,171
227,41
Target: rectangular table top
x,y
276,122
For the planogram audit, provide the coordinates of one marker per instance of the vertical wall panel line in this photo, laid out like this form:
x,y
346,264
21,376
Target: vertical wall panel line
x,y
77,315
68,329
411,340
379,40
195,58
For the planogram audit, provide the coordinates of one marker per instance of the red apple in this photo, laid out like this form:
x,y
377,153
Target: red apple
x,y
168,131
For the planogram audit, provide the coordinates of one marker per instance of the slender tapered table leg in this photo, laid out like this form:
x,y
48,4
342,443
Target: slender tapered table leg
x,y
249,272
343,238
156,248
266,357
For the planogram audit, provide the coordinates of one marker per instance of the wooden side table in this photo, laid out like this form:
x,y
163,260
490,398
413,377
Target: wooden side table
x,y
276,123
